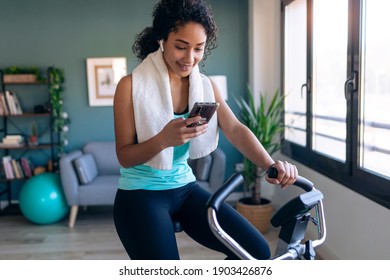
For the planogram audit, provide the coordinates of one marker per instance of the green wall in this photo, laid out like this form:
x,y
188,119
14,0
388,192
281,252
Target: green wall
x,y
65,33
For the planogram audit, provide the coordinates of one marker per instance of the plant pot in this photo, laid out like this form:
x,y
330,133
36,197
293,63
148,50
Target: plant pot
x,y
258,215
20,78
33,140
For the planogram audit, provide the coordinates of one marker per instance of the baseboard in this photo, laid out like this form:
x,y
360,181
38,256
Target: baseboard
x,y
324,253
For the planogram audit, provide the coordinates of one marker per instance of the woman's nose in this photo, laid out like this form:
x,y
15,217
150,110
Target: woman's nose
x,y
189,57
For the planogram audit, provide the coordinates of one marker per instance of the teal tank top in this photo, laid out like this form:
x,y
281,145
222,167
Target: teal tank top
x,y
148,178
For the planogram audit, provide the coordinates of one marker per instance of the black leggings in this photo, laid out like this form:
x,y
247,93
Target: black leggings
x,y
143,220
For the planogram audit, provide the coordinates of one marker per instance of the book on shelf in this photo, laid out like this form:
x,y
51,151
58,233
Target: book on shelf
x,y
4,111
18,108
12,141
13,136
17,168
9,104
12,146
7,165
26,166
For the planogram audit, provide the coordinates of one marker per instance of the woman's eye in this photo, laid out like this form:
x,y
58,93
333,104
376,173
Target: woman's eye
x,y
184,48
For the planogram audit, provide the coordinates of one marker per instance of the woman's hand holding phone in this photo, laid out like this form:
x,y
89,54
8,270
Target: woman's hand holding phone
x,y
203,109
179,131
196,121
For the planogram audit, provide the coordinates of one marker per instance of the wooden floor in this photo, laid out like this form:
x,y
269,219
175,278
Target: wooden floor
x,y
93,238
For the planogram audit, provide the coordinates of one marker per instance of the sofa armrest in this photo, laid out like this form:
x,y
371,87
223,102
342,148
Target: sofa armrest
x,y
218,170
69,180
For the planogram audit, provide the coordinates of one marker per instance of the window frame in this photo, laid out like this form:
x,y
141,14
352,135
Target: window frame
x,y
348,174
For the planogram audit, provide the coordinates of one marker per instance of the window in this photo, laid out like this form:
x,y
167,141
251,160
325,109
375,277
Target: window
x,y
375,89
336,78
295,71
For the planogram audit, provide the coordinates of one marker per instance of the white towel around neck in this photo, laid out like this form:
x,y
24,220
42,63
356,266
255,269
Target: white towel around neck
x,y
153,107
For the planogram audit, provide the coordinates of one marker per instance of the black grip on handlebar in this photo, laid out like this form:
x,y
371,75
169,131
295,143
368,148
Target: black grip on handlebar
x,y
223,192
301,182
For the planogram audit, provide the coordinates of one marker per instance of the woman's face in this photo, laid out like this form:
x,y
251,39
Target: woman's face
x,y
184,48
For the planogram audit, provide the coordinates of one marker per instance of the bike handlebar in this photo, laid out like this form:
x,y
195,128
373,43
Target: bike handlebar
x,y
223,192
237,179
301,182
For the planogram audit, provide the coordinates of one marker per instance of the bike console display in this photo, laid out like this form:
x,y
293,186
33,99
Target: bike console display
x,y
296,207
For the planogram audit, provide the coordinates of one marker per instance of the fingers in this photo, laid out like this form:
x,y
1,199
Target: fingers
x,y
287,173
195,126
195,121
185,132
197,130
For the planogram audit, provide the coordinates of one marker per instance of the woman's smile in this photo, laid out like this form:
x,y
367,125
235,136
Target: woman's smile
x,y
184,67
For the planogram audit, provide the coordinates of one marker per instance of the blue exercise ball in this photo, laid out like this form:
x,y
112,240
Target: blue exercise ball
x,y
42,200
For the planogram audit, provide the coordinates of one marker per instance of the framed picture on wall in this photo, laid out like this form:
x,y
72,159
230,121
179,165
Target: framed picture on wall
x,y
103,76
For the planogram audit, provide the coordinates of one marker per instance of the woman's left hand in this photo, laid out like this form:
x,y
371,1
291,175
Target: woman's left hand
x,y
287,174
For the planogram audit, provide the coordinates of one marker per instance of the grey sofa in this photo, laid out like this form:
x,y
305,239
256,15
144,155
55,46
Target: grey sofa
x,y
90,176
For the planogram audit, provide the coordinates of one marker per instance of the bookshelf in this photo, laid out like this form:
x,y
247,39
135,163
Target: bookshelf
x,y
24,104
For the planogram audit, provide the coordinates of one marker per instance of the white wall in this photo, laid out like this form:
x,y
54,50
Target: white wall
x,y
264,46
358,228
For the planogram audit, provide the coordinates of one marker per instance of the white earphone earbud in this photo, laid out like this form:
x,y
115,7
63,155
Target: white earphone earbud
x,y
161,45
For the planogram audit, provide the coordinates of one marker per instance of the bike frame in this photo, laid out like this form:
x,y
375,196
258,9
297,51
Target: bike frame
x,y
284,251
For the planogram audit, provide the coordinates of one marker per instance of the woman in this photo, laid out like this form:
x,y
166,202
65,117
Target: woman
x,y
153,140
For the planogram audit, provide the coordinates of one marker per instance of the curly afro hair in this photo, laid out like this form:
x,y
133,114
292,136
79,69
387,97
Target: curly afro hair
x,y
168,16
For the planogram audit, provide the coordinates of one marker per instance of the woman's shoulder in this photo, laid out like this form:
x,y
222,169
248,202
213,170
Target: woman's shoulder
x,y
124,87
125,82
126,79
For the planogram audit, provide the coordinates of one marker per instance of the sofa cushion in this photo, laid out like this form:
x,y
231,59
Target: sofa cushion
x,y
85,168
101,191
104,154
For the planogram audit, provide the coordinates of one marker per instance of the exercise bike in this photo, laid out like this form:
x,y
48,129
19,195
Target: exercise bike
x,y
293,218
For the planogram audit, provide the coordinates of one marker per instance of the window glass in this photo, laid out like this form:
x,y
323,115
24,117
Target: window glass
x,y
375,88
330,42
295,71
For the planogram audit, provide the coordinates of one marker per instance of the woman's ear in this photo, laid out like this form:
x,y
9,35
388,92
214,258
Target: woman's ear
x,y
161,45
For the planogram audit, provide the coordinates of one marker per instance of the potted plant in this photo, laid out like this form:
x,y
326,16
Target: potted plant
x,y
33,138
15,74
61,120
265,121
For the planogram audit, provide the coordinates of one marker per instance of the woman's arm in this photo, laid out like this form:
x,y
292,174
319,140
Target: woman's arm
x,y
246,142
130,153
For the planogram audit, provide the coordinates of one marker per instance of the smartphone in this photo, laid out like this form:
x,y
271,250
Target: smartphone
x,y
204,109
